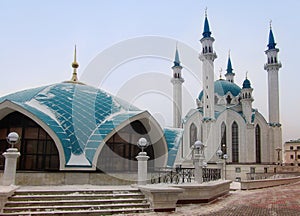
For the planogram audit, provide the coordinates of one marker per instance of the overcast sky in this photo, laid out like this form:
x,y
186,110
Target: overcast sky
x,y
37,41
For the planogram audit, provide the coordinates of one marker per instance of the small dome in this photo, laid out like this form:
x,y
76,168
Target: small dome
x,y
222,87
246,84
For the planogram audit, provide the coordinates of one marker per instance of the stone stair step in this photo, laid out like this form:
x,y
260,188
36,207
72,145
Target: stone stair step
x,y
73,196
74,207
76,202
69,202
84,191
82,212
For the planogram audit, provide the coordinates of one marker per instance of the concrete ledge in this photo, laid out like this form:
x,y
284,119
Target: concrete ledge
x,y
202,193
161,197
5,193
256,184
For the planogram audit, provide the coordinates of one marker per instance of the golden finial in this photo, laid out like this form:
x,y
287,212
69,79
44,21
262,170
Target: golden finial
x,y
75,65
270,24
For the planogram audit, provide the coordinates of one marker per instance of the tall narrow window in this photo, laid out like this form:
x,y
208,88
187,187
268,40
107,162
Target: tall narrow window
x,y
235,142
193,134
223,138
258,144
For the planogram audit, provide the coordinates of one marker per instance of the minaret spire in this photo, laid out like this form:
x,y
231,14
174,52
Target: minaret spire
x,y
272,43
229,75
176,61
206,30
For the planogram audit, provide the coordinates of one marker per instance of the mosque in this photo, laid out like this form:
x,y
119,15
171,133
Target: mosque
x,y
71,126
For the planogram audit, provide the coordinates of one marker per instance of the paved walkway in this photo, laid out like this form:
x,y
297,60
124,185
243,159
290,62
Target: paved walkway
x,y
274,201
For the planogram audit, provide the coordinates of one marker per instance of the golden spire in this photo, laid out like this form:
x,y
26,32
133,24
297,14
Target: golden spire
x,y
220,71
75,65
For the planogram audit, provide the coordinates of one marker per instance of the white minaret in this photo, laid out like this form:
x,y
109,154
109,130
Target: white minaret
x,y
207,56
272,67
246,100
177,81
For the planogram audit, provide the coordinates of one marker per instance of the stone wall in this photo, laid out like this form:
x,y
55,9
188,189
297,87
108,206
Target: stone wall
x,y
69,178
256,184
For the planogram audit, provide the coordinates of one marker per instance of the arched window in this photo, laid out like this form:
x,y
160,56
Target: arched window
x,y
235,142
37,148
228,99
223,138
216,99
258,144
120,151
193,134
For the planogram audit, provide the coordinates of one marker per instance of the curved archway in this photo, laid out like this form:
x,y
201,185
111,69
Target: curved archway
x,y
119,153
37,148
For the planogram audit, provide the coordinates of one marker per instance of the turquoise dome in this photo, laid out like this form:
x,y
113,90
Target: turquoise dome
x,y
81,116
222,87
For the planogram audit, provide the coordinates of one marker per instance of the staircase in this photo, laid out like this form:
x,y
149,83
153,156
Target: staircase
x,y
76,202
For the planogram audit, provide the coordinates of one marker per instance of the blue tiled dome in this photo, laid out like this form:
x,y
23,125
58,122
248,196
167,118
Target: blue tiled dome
x,y
80,115
246,84
222,87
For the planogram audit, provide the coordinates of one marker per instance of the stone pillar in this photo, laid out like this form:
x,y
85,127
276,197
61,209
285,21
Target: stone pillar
x,y
11,156
220,166
142,168
198,164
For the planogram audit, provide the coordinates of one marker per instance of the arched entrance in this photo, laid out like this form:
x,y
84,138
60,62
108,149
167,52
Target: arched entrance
x,y
119,152
37,148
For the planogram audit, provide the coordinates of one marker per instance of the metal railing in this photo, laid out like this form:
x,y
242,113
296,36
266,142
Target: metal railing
x,y
180,175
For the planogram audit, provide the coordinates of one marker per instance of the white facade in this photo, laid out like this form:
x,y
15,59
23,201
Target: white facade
x,y
225,119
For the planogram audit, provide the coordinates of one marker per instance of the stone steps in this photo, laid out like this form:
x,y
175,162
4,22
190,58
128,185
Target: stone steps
x,y
76,202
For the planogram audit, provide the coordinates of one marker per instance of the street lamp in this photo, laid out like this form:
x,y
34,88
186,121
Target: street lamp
x,y
198,161
142,161
142,143
11,155
13,139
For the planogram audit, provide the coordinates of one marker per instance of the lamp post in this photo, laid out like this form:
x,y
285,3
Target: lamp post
x,y
220,163
142,161
198,161
11,155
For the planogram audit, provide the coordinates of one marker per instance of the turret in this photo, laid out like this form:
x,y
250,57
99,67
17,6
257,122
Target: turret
x,y
246,100
229,75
